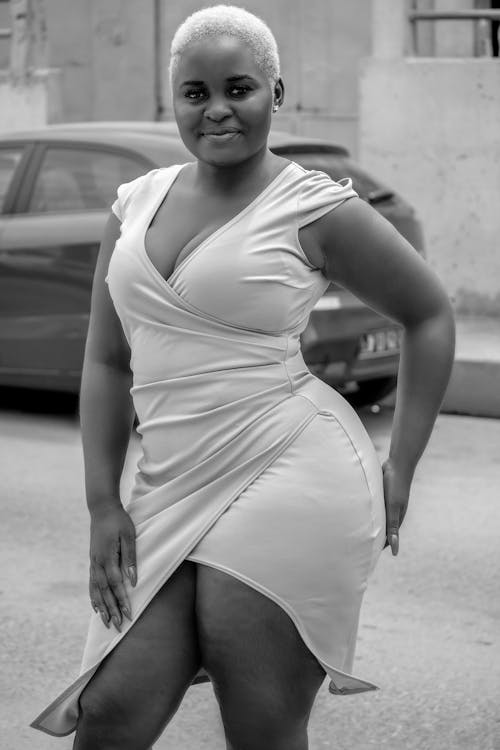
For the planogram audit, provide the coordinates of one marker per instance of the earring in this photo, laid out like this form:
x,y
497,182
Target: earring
x,y
275,108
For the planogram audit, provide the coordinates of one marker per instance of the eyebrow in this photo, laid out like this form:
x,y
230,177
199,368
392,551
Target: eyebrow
x,y
240,78
231,79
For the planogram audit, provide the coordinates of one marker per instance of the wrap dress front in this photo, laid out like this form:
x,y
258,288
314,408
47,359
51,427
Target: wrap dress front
x,y
249,463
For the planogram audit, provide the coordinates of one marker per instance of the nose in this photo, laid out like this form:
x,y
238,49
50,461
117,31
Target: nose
x,y
217,109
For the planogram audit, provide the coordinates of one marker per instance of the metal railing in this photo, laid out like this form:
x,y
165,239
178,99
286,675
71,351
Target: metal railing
x,y
487,24
453,15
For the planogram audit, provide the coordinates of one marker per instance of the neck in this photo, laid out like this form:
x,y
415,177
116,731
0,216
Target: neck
x,y
225,179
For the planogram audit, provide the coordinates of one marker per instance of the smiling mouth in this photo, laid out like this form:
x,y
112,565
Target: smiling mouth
x,y
220,136
222,131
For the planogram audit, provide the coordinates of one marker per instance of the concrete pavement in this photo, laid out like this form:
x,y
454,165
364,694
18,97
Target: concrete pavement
x,y
429,628
474,387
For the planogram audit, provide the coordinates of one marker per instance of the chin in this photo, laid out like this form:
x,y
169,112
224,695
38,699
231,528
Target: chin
x,y
221,157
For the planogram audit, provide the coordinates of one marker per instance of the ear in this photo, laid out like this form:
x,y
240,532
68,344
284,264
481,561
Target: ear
x,y
279,92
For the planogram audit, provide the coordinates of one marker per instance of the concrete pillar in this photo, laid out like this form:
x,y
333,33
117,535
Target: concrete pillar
x,y
21,50
28,49
390,29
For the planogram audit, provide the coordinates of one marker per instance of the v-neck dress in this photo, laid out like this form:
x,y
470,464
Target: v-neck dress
x,y
249,463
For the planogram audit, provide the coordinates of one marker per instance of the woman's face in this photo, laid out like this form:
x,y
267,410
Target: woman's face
x,y
222,101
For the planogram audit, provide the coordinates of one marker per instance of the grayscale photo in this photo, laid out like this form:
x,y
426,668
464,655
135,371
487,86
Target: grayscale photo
x,y
250,374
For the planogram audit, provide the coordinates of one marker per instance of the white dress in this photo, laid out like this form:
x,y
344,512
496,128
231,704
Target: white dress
x,y
249,463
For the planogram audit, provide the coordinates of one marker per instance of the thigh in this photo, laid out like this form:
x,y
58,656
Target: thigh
x,y
140,684
262,671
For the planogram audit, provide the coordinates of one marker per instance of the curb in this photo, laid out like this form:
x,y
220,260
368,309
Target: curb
x,y
474,387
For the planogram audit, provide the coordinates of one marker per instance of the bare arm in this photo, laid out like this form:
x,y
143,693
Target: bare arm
x,y
106,417
106,412
364,253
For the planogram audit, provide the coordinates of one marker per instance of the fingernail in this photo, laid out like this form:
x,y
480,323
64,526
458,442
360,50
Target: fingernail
x,y
105,619
394,544
127,613
132,575
116,623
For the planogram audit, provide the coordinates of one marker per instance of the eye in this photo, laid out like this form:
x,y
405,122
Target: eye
x,y
239,91
194,94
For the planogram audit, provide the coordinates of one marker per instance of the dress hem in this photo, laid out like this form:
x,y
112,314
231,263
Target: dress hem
x,y
84,678
366,686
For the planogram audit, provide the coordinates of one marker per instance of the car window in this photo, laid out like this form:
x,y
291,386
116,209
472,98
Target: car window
x,y
9,159
72,179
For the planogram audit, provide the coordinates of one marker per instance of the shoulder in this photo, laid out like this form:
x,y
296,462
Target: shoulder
x,y
318,193
141,188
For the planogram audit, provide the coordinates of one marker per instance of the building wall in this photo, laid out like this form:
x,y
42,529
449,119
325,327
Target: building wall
x,y
111,68
430,128
104,49
320,43
31,104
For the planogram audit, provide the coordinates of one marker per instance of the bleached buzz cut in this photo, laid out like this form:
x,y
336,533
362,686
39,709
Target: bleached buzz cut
x,y
228,20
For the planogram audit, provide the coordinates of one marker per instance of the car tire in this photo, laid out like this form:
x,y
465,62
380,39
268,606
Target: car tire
x,y
371,391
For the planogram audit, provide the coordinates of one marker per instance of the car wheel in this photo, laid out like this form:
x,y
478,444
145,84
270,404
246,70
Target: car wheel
x,y
371,391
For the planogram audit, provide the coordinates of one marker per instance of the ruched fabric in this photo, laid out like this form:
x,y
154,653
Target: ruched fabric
x,y
248,462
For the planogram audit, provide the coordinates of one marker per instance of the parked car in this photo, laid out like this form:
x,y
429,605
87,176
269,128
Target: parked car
x,y
57,184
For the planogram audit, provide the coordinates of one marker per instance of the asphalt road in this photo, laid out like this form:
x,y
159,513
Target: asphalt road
x,y
429,634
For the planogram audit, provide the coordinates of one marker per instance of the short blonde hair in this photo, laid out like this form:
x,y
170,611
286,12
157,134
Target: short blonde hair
x,y
228,20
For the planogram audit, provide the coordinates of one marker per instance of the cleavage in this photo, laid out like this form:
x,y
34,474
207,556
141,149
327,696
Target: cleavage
x,y
181,224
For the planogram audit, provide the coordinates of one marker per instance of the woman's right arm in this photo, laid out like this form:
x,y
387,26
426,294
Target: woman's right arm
x,y
106,418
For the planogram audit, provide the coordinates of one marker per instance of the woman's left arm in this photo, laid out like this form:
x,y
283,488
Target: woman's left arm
x,y
364,253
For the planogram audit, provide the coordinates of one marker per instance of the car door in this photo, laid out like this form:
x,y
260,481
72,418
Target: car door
x,y
49,244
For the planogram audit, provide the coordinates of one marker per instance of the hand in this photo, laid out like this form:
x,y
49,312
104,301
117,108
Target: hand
x,y
112,555
396,494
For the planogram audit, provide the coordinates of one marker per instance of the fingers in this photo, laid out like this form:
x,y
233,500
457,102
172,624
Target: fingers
x,y
105,581
113,557
392,514
396,495
395,517
128,557
108,594
394,543
96,598
393,529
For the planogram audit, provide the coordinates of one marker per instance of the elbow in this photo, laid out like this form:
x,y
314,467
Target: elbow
x,y
113,354
437,327
436,312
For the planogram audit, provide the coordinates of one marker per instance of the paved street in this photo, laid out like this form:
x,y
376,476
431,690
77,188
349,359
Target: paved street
x,y
429,634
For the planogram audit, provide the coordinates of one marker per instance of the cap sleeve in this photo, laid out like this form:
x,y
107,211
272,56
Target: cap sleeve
x,y
320,194
125,192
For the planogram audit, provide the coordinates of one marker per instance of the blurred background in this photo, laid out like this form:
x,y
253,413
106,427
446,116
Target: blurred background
x,y
409,90
404,97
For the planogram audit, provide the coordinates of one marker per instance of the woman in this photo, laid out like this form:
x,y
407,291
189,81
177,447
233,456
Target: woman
x,y
259,507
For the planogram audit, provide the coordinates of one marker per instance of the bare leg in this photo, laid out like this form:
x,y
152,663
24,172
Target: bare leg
x,y
140,685
264,676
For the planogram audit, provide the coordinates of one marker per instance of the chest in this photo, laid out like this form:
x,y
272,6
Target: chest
x,y
183,222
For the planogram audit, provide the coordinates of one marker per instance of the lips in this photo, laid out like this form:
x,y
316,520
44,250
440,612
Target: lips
x,y
222,131
225,135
